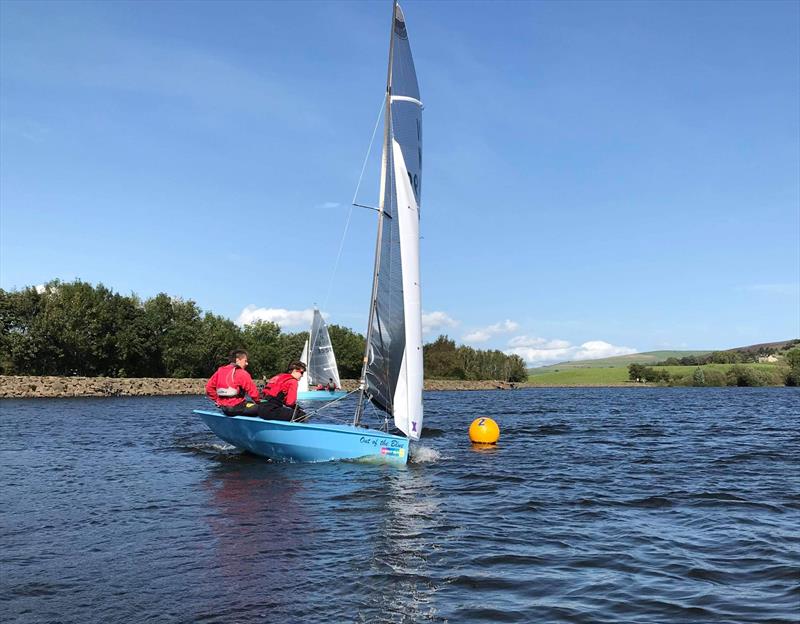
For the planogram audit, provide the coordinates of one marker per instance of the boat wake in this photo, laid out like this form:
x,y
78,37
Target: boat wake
x,y
192,444
423,455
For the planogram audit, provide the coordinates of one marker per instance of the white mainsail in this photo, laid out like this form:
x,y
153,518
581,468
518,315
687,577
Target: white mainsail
x,y
393,363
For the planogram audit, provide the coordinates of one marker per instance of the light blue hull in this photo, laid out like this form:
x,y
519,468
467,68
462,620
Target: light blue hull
x,y
305,442
320,395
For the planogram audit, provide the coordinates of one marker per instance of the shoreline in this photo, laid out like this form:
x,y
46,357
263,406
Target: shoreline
x,y
35,386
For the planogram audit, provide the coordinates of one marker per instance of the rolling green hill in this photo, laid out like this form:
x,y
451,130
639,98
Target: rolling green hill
x,y
648,357
613,371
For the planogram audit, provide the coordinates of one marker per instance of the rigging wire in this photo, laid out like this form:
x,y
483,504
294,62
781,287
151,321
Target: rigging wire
x,y
315,412
350,213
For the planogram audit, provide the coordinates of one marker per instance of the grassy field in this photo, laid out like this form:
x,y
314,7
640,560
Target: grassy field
x,y
618,375
609,376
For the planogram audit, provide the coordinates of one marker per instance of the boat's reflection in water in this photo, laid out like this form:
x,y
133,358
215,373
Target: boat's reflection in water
x,y
336,541
259,527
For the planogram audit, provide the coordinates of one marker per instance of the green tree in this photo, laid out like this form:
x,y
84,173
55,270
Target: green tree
x,y
714,378
76,331
349,348
290,348
440,360
262,340
18,343
793,360
218,337
725,357
698,377
182,353
517,371
740,375
636,372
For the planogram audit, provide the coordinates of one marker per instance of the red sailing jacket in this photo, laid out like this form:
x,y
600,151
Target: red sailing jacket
x,y
231,376
283,383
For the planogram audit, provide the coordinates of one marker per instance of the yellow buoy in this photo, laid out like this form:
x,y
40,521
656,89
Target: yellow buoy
x,y
484,431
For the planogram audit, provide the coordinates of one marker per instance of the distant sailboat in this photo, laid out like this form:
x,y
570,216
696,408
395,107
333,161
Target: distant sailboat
x,y
320,359
392,375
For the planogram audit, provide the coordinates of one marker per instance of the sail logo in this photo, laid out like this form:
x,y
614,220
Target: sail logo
x,y
400,28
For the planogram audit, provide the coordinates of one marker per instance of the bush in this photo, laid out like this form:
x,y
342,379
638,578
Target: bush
x,y
714,378
745,376
793,376
682,380
652,375
636,372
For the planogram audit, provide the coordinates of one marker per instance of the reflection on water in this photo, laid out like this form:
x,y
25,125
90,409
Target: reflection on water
x,y
257,522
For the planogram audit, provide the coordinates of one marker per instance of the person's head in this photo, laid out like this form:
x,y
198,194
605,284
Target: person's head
x,y
297,368
239,357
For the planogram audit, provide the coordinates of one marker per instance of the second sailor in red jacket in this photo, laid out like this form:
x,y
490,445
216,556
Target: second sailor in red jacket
x,y
281,395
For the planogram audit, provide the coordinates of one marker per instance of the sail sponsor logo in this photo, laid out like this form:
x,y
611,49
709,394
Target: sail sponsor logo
x,y
400,28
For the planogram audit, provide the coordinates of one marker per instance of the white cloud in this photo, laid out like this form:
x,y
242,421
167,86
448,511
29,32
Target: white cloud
x,y
328,205
541,351
541,343
483,334
284,318
596,349
434,321
40,288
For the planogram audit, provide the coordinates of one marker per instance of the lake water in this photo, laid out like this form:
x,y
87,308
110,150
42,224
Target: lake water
x,y
598,505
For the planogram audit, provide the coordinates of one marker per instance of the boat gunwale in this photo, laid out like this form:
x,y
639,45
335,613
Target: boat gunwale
x,y
348,429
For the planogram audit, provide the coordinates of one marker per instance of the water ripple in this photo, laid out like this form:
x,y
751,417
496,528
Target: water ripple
x,y
597,505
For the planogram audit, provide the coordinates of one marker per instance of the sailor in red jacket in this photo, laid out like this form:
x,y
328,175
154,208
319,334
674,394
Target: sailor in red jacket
x,y
281,395
230,386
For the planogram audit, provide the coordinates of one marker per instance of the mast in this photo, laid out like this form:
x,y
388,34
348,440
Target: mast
x,y
385,168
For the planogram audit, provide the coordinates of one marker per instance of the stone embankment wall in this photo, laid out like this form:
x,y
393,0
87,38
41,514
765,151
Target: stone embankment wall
x,y
19,387
31,387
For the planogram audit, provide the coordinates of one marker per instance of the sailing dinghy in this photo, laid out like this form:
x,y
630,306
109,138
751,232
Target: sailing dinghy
x,y
391,379
321,362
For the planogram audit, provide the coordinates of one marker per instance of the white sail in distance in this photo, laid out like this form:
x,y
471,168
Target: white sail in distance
x,y
393,371
322,365
302,385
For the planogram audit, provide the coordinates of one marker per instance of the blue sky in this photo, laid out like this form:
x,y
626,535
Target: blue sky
x,y
600,177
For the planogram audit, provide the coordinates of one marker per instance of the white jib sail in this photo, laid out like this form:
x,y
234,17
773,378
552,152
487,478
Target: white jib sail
x,y
302,385
408,393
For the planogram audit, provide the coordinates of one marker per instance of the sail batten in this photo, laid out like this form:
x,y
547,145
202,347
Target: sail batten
x,y
393,367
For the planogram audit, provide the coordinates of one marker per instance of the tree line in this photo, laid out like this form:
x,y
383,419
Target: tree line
x,y
444,360
731,356
75,328
787,373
